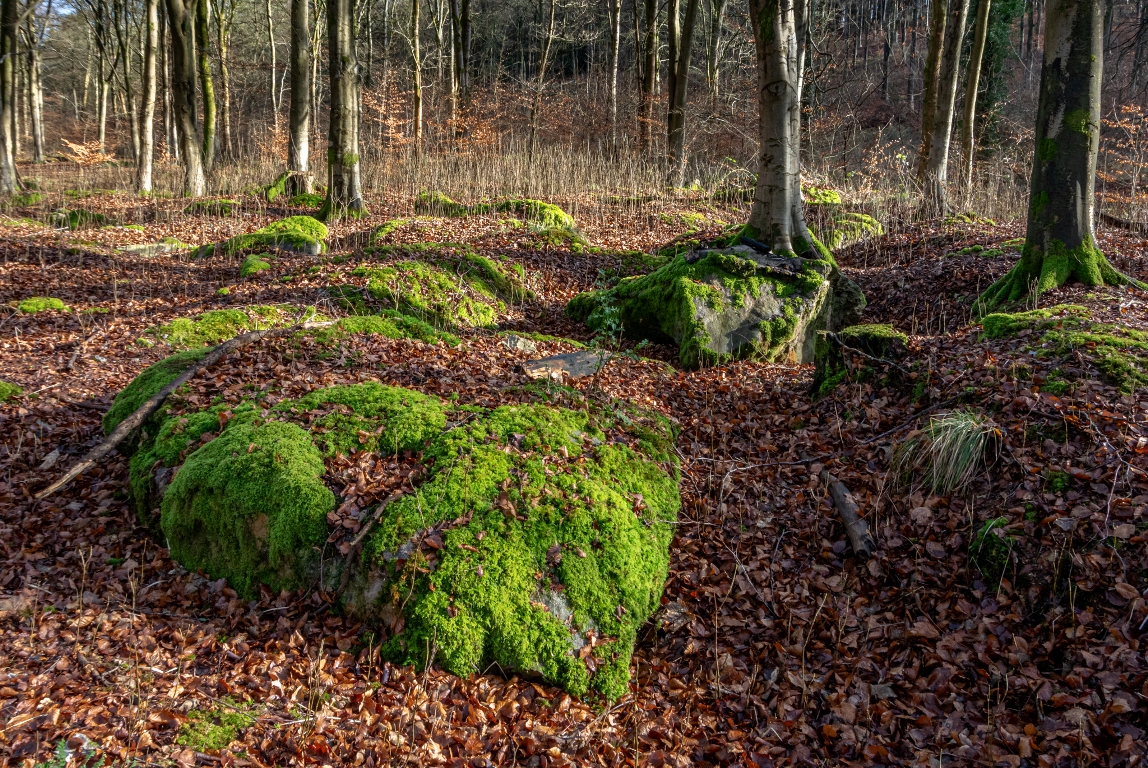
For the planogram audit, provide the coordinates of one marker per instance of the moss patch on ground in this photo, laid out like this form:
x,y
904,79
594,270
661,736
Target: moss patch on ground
x,y
536,544
1119,353
78,219
450,285
254,264
219,325
40,304
9,391
211,730
547,215
388,323
846,228
307,200
663,305
302,234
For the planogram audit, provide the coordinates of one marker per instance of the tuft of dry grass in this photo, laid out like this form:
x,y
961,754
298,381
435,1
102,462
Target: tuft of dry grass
x,y
946,456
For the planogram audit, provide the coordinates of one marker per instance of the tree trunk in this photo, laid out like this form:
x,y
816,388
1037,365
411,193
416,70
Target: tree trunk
x,y
417,75
938,168
776,217
676,118
36,90
206,85
650,75
183,95
9,18
543,65
612,75
972,83
1060,244
344,194
274,68
298,144
224,11
713,57
932,77
147,134
169,139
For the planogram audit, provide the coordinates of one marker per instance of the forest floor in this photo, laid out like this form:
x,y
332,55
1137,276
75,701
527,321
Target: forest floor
x,y
774,646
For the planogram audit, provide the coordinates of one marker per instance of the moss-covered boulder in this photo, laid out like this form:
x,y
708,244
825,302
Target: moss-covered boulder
x,y
721,304
854,352
849,227
448,285
298,234
218,325
531,538
253,264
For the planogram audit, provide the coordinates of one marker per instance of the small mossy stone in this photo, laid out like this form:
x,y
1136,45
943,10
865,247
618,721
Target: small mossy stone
x,y
40,304
253,264
370,417
9,391
875,343
250,506
153,378
301,234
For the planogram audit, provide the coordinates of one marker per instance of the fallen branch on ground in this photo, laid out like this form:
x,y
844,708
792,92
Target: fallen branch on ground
x,y
855,528
141,414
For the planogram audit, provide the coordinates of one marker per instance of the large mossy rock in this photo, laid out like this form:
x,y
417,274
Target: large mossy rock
x,y
535,538
299,234
727,303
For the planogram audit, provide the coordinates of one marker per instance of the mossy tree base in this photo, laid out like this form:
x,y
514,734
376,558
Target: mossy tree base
x,y
1039,271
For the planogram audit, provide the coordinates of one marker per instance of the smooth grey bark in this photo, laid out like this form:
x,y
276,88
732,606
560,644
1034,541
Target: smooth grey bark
x,y
1060,243
612,75
417,78
713,52
972,82
344,192
183,95
9,18
224,12
298,143
649,74
937,170
779,29
147,128
36,34
274,67
206,85
679,80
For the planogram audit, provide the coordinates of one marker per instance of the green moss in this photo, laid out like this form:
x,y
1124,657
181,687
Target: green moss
x,y
534,336
277,188
820,196
438,203
1039,271
218,325
25,199
544,546
1047,150
389,324
253,264
990,550
78,219
1119,353
386,228
40,304
153,378
250,506
1057,481
879,341
294,233
9,391
847,228
548,215
217,207
369,417
1079,121
211,730
224,291
307,200
661,306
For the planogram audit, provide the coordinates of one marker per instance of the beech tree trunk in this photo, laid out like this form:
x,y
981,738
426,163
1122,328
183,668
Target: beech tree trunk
x,y
9,19
417,76
649,74
976,57
777,218
224,12
147,133
183,95
206,85
1060,244
937,170
543,65
679,80
344,193
274,67
298,144
35,89
932,77
615,45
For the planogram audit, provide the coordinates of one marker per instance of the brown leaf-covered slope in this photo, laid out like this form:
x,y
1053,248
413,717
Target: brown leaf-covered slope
x,y
775,646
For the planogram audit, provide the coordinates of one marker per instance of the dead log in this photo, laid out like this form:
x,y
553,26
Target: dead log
x,y
1119,223
855,528
141,414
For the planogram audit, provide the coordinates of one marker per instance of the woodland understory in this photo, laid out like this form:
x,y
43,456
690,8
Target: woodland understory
x,y
775,645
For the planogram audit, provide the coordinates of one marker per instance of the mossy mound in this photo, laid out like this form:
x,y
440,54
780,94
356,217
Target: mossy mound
x,y
254,264
218,325
451,285
35,304
216,207
388,323
835,354
25,199
152,380
844,229
537,544
211,730
78,219
726,303
820,196
1120,354
307,200
547,215
300,234
9,391
386,228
